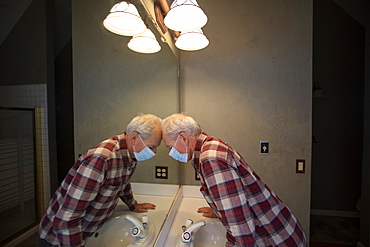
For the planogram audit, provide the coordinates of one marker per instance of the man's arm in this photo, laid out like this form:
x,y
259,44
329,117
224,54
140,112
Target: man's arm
x,y
81,190
227,195
128,198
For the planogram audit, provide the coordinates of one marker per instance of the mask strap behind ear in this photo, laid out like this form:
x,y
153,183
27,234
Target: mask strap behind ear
x,y
141,139
176,140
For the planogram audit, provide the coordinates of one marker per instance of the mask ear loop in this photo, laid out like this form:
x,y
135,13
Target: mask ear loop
x,y
176,143
141,141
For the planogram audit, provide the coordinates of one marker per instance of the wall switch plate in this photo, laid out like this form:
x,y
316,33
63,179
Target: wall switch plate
x,y
300,166
265,147
161,172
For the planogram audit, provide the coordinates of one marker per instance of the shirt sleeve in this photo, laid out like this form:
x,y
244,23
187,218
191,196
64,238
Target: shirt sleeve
x,y
82,189
127,197
225,194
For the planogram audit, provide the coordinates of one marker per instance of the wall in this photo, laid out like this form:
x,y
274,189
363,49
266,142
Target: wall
x,y
338,117
26,57
64,111
253,83
23,49
365,187
112,84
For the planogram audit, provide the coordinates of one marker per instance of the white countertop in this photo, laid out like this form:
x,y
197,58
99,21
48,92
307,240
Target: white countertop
x,y
162,195
174,205
189,200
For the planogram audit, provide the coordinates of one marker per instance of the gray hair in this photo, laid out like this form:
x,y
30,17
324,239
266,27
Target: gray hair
x,y
178,123
144,124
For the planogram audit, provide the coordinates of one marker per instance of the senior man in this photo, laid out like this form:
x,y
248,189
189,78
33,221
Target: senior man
x,y
251,213
99,178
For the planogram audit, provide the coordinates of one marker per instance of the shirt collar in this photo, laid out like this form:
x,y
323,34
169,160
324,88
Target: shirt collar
x,y
198,147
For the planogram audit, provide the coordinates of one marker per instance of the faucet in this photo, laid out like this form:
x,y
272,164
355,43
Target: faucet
x,y
140,229
188,228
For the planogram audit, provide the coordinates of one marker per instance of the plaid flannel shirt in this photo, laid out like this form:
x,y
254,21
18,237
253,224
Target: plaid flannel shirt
x,y
89,193
251,213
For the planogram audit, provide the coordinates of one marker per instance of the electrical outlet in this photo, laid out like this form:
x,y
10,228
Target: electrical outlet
x,y
300,166
161,172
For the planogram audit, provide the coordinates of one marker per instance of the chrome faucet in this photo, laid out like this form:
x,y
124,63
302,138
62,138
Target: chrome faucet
x,y
140,229
188,228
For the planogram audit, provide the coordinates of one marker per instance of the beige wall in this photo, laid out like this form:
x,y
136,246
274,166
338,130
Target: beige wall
x,y
252,84
112,84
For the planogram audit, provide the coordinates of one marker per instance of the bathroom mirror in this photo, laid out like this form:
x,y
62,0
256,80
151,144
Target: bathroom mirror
x,y
112,84
155,12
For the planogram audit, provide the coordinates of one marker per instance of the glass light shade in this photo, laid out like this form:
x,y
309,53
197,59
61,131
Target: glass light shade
x,y
185,15
124,19
192,40
144,43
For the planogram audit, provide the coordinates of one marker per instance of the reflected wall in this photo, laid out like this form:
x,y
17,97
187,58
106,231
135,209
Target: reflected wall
x,y
112,84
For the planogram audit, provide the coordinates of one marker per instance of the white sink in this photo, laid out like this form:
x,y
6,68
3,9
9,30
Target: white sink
x,y
213,234
118,232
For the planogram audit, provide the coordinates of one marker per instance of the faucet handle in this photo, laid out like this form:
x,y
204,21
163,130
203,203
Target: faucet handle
x,y
145,220
188,222
186,235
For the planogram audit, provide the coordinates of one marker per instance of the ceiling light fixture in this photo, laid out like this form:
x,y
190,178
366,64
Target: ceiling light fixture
x,y
185,15
124,19
144,42
192,40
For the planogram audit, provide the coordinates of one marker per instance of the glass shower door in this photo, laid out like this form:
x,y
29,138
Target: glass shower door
x,y
18,211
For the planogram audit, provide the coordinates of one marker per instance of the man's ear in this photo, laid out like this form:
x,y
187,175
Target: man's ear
x,y
133,137
184,137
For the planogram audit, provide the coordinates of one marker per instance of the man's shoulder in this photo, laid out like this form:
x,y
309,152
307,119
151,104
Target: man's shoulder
x,y
105,148
212,143
214,149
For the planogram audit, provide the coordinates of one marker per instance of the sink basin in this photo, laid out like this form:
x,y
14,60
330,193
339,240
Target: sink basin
x,y
213,234
118,232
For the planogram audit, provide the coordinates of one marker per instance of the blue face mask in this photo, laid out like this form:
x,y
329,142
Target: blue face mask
x,y
144,154
176,155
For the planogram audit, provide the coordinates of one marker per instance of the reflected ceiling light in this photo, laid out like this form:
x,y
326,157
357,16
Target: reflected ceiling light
x,y
185,15
124,19
192,40
144,42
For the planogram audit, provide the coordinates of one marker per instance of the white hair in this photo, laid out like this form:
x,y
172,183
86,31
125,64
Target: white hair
x,y
178,123
144,124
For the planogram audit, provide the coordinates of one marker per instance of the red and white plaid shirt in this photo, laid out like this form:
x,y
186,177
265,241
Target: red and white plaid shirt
x,y
89,193
251,213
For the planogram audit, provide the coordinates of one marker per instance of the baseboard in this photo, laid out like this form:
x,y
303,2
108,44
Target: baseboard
x,y
360,245
352,214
